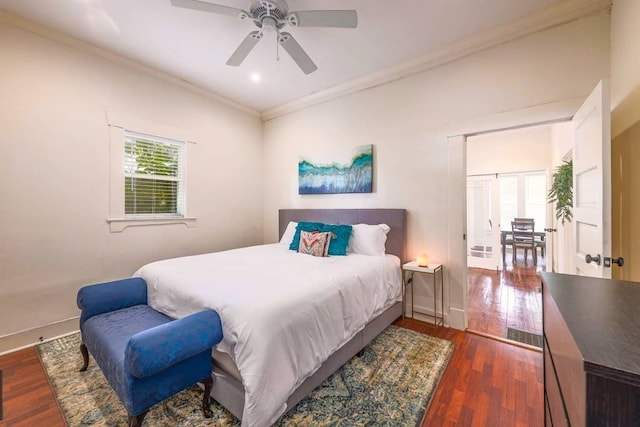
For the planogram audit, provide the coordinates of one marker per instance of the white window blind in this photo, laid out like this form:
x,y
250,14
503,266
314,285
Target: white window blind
x,y
153,176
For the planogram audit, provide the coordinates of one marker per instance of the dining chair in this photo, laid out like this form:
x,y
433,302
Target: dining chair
x,y
542,244
531,220
524,238
540,239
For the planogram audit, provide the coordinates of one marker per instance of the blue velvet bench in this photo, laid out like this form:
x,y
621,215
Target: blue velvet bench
x,y
145,355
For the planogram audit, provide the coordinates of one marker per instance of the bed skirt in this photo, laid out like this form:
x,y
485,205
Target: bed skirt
x,y
228,389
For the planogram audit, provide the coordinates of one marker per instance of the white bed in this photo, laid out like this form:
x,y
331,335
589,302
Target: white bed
x,y
284,314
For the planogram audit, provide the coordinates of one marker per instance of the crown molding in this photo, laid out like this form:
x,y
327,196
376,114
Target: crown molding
x,y
51,34
561,13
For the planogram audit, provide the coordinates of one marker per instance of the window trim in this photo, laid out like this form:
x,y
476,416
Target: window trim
x,y
181,198
117,124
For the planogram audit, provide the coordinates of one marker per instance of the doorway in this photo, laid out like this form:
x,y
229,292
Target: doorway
x,y
507,178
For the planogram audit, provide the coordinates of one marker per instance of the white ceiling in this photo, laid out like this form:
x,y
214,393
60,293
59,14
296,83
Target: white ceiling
x,y
194,46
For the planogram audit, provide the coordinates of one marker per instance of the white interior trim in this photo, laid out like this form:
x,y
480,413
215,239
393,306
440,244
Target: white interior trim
x,y
117,225
456,265
30,337
136,124
558,14
541,114
457,319
117,124
531,116
75,43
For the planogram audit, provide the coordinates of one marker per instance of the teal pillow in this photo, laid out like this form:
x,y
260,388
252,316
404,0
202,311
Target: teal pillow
x,y
303,226
338,245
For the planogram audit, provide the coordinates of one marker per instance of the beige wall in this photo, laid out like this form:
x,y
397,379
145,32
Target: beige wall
x,y
54,159
54,170
625,62
625,121
519,150
409,121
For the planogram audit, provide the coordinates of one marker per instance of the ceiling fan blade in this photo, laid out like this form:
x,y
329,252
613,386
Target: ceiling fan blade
x,y
207,7
324,18
245,47
297,53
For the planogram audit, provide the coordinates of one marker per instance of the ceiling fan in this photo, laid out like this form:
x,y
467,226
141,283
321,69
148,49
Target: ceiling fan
x,y
271,16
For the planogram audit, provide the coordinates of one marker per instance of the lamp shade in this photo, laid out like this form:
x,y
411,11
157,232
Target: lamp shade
x,y
422,259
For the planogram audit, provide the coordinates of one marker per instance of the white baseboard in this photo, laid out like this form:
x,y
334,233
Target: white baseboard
x,y
454,319
457,319
425,314
30,337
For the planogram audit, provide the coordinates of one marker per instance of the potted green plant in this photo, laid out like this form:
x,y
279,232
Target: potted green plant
x,y
561,192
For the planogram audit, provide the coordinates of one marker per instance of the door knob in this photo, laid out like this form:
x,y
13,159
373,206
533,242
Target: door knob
x,y
597,259
608,261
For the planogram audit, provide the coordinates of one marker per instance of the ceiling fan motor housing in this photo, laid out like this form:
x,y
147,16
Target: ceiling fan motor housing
x,y
265,12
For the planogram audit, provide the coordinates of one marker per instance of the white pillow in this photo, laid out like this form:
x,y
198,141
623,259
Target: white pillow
x,y
368,239
288,234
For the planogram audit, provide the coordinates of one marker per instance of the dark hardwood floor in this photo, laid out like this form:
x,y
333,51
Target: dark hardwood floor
x,y
487,383
510,298
28,399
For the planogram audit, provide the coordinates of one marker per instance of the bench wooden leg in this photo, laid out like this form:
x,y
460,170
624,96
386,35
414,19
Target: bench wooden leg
x,y
206,407
136,420
85,357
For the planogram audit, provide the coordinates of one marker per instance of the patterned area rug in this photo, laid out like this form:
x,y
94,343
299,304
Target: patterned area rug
x,y
389,383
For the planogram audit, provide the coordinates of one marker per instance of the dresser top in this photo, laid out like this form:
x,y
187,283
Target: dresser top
x,y
604,319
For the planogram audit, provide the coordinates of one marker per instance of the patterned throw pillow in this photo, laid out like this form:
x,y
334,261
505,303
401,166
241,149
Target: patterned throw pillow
x,y
315,243
304,226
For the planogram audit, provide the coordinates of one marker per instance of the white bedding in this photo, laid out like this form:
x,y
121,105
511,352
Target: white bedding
x,y
283,313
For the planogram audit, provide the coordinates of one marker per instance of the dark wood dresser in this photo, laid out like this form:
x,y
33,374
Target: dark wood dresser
x,y
591,351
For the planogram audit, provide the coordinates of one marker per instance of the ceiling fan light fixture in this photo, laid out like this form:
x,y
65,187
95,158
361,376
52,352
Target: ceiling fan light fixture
x,y
269,24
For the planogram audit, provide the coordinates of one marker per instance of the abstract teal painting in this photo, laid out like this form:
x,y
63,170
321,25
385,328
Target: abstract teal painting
x,y
354,176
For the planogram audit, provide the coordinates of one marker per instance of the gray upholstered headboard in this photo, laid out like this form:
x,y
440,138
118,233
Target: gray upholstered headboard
x,y
396,219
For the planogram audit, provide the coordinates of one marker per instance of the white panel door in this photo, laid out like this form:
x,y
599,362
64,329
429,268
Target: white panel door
x,y
592,184
483,222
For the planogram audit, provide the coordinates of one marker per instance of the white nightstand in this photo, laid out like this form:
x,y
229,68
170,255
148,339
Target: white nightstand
x,y
434,270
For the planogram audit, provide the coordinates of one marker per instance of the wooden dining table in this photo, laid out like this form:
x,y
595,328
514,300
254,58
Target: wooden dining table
x,y
505,235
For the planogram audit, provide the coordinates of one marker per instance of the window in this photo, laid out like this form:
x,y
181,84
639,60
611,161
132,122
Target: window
x,y
148,183
523,195
535,199
154,176
508,200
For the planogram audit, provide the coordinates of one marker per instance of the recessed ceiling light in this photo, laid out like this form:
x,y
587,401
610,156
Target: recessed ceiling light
x,y
255,77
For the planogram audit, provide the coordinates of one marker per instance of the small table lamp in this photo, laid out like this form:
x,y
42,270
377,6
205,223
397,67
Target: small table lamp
x,y
423,260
